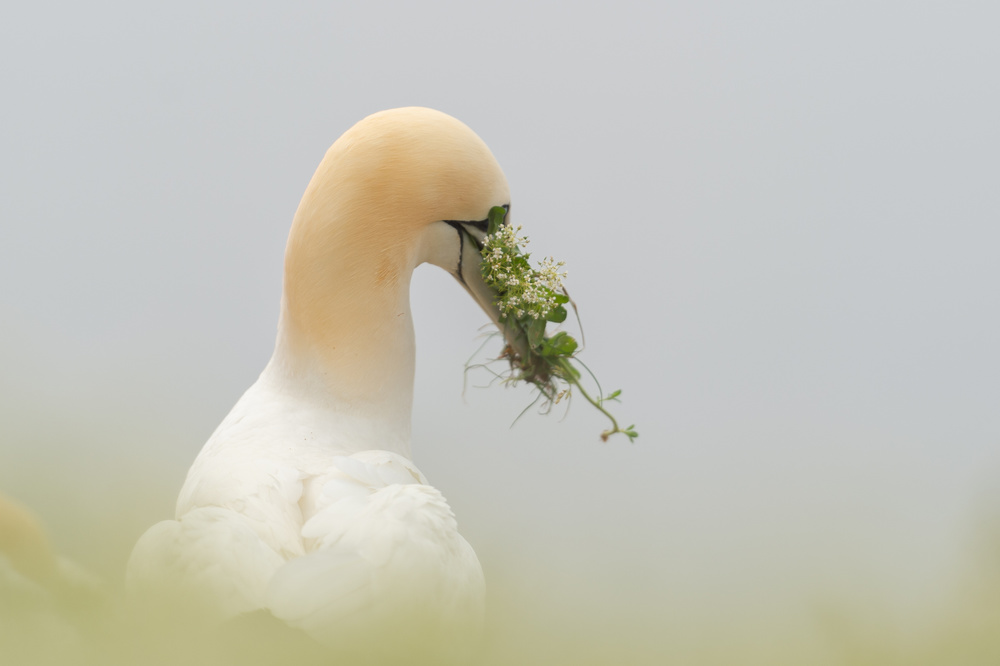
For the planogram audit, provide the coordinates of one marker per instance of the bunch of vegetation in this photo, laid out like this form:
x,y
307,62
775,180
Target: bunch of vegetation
x,y
529,299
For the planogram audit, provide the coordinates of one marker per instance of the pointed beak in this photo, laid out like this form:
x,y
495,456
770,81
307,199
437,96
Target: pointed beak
x,y
469,273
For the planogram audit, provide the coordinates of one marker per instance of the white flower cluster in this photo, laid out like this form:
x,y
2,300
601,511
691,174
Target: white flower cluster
x,y
521,290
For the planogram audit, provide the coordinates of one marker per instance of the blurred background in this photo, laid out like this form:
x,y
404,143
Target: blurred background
x,y
781,226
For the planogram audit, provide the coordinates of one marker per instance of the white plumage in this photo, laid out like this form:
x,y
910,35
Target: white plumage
x,y
305,501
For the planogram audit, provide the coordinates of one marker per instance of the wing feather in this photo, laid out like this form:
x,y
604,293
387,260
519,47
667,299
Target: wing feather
x,y
360,549
212,554
386,556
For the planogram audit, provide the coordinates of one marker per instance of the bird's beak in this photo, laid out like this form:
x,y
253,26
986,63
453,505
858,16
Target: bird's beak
x,y
469,273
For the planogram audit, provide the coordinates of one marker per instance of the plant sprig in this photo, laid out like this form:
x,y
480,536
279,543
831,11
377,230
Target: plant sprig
x,y
528,300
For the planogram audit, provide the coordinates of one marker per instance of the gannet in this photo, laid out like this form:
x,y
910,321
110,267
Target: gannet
x,y
305,502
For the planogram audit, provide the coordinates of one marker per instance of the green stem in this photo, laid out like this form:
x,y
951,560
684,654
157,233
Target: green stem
x,y
570,376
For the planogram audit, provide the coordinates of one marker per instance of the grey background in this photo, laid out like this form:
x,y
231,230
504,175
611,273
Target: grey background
x,y
780,221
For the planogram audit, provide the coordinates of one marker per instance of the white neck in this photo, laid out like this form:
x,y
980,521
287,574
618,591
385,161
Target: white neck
x,y
367,398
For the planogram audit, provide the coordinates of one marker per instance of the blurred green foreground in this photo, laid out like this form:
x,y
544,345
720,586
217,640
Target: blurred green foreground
x,y
86,621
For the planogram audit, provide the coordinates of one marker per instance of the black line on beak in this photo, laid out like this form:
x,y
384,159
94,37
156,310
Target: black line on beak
x,y
482,225
462,233
461,226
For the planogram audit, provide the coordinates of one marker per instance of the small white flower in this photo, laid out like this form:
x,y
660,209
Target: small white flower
x,y
521,289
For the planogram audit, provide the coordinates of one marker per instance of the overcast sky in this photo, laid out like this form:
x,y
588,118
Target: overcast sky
x,y
781,222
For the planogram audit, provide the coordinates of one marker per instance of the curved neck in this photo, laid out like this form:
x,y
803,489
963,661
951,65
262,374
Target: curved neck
x,y
345,341
366,220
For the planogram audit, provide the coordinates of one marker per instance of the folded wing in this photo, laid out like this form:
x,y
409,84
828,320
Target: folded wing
x,y
376,554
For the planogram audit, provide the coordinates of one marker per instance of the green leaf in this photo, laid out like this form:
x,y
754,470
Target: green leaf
x,y
496,217
549,345
562,343
557,315
535,330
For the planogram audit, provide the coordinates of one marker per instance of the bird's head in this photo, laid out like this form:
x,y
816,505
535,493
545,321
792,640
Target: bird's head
x,y
400,188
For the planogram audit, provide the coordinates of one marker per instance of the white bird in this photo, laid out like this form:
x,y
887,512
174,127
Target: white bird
x,y
305,501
